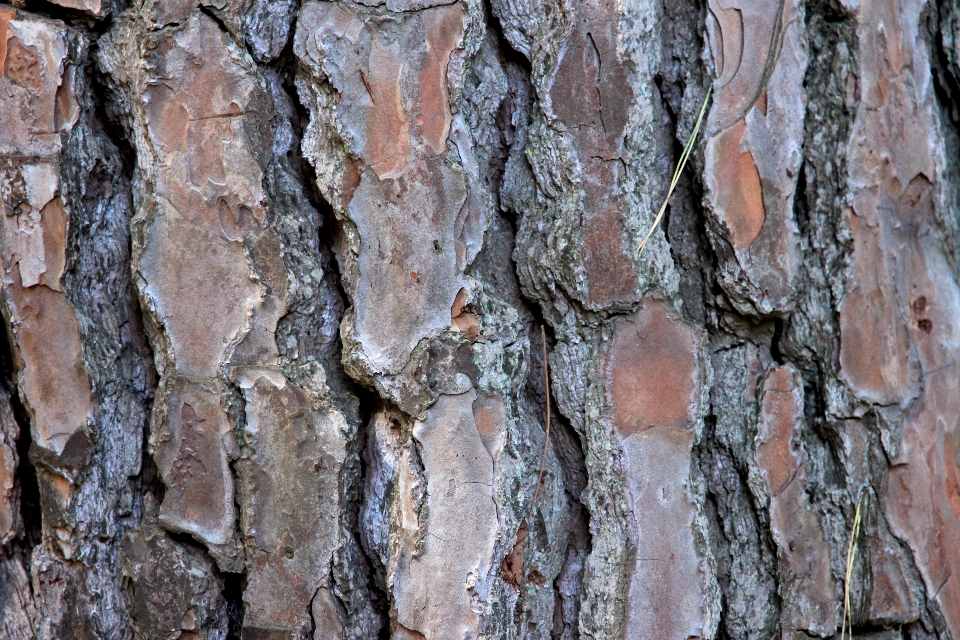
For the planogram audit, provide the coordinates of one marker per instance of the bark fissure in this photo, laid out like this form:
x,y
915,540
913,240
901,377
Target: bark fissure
x,y
329,228
233,596
31,516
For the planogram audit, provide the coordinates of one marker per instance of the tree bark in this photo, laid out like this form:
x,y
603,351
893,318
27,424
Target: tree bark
x,y
275,276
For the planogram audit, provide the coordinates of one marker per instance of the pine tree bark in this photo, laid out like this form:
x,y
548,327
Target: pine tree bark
x,y
274,280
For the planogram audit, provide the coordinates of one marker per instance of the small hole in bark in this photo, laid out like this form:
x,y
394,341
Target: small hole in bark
x,y
920,304
925,325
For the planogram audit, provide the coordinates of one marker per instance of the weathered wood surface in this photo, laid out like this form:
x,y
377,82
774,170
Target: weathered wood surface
x,y
273,278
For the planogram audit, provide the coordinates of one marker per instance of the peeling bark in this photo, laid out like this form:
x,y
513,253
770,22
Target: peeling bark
x,y
274,275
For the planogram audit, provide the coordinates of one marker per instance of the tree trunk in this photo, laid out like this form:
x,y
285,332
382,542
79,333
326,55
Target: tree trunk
x,y
275,276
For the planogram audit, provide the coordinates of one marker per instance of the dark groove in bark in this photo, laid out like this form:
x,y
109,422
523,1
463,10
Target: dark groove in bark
x,y
76,18
379,597
945,70
740,534
31,517
328,228
108,119
567,444
207,11
684,222
233,587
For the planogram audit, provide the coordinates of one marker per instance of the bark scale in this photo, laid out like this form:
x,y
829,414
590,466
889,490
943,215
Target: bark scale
x,y
273,277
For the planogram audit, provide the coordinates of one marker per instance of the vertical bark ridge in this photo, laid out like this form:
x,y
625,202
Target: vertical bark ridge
x,y
252,409
417,128
69,299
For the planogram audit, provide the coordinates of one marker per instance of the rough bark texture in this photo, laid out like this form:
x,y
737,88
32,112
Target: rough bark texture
x,y
274,274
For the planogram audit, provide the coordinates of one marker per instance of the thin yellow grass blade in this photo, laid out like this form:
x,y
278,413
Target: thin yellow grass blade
x,y
679,169
851,556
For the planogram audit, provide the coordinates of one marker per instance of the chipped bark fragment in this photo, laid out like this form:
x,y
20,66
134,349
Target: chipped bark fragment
x,y
467,324
653,380
512,567
653,372
875,358
809,590
753,148
192,447
740,192
450,565
199,340
21,620
326,616
463,322
436,477
892,598
922,494
54,380
32,61
92,6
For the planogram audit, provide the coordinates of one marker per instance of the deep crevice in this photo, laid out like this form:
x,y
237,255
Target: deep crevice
x,y
25,476
945,71
378,590
233,588
207,11
566,443
31,515
76,18
775,352
110,125
504,48
328,227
